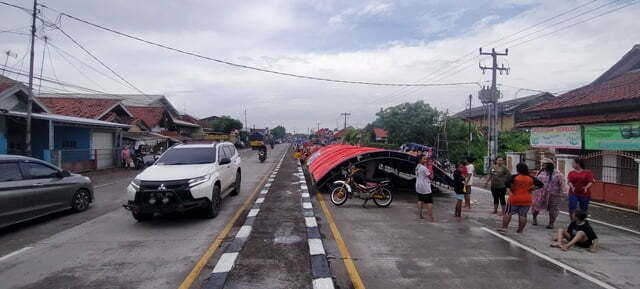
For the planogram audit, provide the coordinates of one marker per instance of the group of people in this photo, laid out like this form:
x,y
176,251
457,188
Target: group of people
x,y
520,193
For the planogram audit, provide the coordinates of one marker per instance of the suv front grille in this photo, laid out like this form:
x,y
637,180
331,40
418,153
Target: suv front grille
x,y
179,187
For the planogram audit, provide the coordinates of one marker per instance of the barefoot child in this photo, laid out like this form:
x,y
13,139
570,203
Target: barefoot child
x,y
459,187
423,187
578,233
520,187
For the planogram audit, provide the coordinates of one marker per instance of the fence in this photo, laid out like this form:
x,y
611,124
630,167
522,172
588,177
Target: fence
x,y
616,176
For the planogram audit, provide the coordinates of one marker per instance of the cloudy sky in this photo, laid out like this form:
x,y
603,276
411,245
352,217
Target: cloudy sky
x,y
404,41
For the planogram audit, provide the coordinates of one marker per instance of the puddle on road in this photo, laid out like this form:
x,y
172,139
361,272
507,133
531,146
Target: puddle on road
x,y
284,234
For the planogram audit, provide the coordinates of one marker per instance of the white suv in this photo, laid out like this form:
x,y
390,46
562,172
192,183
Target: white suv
x,y
186,177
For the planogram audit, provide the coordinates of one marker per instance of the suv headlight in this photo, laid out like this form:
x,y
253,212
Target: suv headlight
x,y
199,180
135,184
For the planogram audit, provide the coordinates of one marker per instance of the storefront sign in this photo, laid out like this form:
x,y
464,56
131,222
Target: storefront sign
x,y
568,137
615,136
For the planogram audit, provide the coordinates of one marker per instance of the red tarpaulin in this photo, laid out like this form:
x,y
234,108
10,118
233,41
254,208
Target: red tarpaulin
x,y
328,157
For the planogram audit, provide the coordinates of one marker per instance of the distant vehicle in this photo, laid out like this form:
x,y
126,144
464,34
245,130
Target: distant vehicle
x,y
257,140
30,188
185,178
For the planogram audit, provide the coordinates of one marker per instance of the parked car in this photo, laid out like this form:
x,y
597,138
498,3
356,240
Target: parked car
x,y
190,177
30,188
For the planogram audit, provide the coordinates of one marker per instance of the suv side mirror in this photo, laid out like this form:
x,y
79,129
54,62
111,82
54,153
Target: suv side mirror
x,y
65,174
225,161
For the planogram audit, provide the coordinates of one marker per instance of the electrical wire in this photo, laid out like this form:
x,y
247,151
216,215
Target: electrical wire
x,y
56,82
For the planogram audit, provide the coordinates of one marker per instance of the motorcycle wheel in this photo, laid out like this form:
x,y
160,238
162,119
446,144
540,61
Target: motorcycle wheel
x,y
339,195
383,197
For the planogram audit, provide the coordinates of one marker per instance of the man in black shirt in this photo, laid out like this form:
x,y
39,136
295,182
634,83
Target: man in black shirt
x,y
578,233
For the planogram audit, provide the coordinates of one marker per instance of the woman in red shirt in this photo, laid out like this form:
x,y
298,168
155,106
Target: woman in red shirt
x,y
580,180
520,187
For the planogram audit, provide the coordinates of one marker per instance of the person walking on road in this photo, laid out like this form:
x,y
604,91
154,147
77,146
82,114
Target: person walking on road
x,y
498,177
471,169
460,188
548,197
578,233
580,180
423,187
520,187
126,157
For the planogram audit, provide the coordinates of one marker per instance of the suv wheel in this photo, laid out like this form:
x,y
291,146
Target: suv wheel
x,y
212,210
236,185
81,200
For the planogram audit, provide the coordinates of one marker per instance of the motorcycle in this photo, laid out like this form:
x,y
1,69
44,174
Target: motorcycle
x,y
262,155
349,188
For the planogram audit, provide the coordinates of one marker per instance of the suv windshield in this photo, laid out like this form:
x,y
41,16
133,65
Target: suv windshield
x,y
188,156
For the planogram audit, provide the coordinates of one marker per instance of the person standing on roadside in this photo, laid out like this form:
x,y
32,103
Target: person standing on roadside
x,y
580,180
520,187
498,177
423,187
471,169
459,187
126,157
550,196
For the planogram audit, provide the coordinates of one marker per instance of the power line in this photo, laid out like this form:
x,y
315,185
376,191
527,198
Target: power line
x,y
164,46
57,82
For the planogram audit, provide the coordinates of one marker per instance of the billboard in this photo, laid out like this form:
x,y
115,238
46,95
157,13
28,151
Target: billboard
x,y
567,137
613,136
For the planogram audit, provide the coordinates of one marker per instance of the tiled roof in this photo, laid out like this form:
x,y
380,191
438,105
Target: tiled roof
x,y
586,119
151,115
623,87
78,107
380,133
340,133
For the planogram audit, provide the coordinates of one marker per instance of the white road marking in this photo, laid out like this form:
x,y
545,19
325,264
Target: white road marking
x,y
304,187
310,222
271,180
315,247
5,257
264,192
260,201
225,263
267,185
307,205
243,232
549,259
103,185
253,212
305,195
323,283
610,225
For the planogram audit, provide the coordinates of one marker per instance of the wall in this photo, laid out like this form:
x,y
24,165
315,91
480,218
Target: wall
x,y
74,141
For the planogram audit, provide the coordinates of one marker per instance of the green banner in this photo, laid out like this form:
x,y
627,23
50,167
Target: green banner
x,y
617,136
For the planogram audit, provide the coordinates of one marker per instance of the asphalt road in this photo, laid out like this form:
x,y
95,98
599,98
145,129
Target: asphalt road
x,y
393,248
105,248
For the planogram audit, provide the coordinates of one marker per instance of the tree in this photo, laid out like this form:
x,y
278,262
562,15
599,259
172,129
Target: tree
x,y
409,122
225,124
278,132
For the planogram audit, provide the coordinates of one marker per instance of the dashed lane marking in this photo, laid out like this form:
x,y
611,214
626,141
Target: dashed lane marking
x,y
225,264
14,253
215,244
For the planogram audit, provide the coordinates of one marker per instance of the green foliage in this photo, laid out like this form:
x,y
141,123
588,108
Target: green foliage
x,y
513,141
278,132
225,124
409,122
457,134
352,136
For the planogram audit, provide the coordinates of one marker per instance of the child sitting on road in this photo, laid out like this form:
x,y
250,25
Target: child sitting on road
x,y
578,233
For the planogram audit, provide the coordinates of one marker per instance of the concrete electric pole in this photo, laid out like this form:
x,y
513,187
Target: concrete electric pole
x,y
27,139
345,114
469,127
490,96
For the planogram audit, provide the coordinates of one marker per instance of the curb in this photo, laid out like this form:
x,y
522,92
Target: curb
x,y
320,273
218,276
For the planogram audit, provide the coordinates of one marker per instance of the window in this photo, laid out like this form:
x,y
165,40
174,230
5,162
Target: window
x,y
38,171
232,150
224,153
10,172
188,156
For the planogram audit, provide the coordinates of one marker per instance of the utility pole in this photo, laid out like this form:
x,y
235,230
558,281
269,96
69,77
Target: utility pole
x,y
246,125
27,140
345,114
318,127
469,127
490,96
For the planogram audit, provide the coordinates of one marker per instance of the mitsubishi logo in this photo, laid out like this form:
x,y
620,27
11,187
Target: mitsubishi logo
x,y
161,187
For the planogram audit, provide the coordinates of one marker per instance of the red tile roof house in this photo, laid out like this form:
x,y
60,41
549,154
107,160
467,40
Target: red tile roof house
x,y
52,133
600,123
380,135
